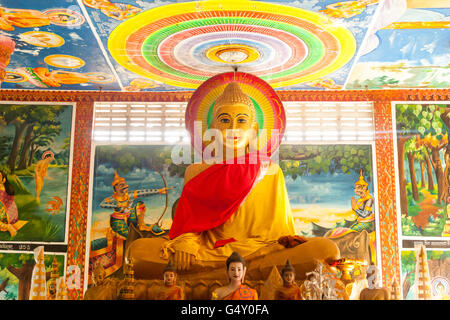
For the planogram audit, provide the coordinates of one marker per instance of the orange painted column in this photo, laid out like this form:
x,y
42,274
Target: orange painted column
x,y
387,205
76,245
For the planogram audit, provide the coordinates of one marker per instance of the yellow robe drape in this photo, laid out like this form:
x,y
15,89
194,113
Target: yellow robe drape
x,y
263,217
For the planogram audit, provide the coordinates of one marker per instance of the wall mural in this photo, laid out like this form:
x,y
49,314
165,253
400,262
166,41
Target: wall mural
x,y
17,270
412,34
330,188
423,164
423,181
35,155
436,267
54,47
34,169
148,45
85,44
146,176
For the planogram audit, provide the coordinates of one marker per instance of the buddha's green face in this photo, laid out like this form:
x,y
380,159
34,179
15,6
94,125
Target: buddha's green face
x,y
236,123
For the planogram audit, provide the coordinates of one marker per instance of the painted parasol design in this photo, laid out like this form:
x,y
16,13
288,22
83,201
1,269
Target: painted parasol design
x,y
185,44
269,110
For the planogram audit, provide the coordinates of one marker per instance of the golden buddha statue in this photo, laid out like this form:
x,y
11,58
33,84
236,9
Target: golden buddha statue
x,y
170,291
231,207
290,290
102,288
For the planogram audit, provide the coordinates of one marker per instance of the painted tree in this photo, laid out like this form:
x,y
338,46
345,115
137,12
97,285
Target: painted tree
x,y
408,267
41,134
423,123
406,124
124,158
410,148
434,136
420,157
22,117
298,160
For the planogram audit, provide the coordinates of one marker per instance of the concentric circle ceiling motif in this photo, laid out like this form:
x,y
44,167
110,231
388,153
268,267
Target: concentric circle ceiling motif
x,y
185,44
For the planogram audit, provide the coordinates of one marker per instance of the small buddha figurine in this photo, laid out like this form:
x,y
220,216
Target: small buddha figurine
x,y
170,291
373,291
102,288
235,289
290,290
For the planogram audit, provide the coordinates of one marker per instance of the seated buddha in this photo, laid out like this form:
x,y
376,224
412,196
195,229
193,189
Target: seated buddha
x,y
289,290
232,201
235,289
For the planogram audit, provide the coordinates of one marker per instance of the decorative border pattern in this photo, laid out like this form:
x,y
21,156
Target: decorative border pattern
x,y
82,148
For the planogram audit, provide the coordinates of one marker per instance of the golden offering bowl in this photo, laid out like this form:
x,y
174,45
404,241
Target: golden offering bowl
x,y
350,268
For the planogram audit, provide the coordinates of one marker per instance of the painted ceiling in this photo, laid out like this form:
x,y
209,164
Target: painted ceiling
x,y
145,45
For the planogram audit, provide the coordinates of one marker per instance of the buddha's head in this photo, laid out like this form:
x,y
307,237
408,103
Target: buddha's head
x,y
169,275
235,117
236,268
288,274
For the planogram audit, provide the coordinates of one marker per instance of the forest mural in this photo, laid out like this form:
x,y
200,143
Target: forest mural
x,y
423,163
35,142
16,271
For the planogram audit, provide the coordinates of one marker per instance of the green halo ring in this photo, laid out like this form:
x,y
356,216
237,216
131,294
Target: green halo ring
x,y
149,47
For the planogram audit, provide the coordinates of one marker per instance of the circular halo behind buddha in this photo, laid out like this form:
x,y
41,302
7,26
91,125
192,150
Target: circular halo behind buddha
x,y
269,110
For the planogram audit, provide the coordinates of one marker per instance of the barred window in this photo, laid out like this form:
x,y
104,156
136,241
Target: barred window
x,y
150,122
329,121
164,122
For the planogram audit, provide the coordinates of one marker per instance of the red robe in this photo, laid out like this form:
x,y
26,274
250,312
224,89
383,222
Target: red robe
x,y
211,197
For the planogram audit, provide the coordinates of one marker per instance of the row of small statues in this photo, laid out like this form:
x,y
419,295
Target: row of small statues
x,y
320,284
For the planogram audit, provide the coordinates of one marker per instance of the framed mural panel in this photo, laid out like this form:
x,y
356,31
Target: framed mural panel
x,y
435,265
423,158
17,274
35,157
139,182
332,191
35,160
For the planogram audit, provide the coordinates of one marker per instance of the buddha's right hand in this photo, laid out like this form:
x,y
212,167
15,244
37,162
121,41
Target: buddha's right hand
x,y
183,260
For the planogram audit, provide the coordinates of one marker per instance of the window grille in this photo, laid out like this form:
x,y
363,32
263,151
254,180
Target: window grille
x,y
140,123
164,122
328,121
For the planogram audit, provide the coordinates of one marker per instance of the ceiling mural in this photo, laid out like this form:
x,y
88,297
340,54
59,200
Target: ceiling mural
x,y
147,45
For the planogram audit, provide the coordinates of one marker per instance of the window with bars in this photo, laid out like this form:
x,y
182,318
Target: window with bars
x,y
151,122
164,122
329,121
